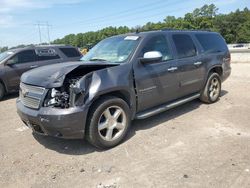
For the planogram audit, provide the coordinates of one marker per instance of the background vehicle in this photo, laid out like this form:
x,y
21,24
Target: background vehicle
x,y
84,51
125,77
14,63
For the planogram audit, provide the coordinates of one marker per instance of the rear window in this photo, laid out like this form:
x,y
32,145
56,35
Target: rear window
x,y
184,45
211,42
70,52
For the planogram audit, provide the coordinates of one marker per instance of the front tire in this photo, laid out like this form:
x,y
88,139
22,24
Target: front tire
x,y
2,91
212,90
108,122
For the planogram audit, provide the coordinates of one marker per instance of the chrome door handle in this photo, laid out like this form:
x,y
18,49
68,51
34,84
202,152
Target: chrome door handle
x,y
198,63
172,69
33,66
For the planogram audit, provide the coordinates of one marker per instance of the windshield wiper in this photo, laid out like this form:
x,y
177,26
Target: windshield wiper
x,y
97,59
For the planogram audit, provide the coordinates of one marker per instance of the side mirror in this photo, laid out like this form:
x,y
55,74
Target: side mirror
x,y
151,57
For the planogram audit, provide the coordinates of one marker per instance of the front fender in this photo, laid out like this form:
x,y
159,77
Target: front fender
x,y
117,80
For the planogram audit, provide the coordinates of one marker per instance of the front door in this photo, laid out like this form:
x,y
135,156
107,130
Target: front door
x,y
20,63
156,83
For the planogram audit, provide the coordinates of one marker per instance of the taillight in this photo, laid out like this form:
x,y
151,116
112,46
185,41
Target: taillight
x,y
227,59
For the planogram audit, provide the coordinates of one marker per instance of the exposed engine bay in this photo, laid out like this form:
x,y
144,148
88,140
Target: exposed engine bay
x,y
74,88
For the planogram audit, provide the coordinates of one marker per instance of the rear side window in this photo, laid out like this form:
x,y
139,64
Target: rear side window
x,y
70,52
46,54
184,45
211,42
158,43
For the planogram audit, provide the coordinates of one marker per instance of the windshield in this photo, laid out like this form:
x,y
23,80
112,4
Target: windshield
x,y
114,50
4,55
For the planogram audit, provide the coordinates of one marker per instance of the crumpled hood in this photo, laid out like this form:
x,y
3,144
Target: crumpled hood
x,y
53,75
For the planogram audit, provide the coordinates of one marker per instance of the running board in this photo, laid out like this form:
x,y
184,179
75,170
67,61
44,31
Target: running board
x,y
164,107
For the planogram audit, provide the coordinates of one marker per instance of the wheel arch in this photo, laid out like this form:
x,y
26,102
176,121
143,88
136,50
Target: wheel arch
x,y
123,94
217,69
4,85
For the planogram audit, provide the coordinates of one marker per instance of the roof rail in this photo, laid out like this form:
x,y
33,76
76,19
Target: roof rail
x,y
47,45
170,29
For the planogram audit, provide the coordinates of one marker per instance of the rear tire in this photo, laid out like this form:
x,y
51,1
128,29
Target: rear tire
x,y
2,91
212,90
108,122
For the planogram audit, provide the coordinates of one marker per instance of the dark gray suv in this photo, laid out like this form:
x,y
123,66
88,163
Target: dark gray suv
x,y
125,77
14,63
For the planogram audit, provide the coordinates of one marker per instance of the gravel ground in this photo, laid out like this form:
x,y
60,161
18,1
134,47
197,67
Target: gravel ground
x,y
194,145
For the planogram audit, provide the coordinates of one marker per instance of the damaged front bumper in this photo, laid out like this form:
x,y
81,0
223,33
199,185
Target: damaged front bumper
x,y
64,123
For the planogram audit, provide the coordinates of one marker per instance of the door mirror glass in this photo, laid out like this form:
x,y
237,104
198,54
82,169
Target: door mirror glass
x,y
151,57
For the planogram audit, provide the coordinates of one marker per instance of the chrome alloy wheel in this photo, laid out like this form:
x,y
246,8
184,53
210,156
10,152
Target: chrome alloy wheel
x,y
214,89
112,123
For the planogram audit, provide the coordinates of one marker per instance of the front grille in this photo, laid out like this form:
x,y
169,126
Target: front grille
x,y
31,96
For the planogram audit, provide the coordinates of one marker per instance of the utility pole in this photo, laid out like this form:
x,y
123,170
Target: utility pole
x,y
47,24
43,25
39,31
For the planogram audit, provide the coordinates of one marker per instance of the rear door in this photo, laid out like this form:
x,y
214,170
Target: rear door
x,y
156,83
191,66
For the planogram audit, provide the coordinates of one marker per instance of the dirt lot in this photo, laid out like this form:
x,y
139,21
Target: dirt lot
x,y
194,145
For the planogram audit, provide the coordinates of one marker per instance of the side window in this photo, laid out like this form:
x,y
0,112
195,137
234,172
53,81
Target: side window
x,y
25,57
211,42
46,54
158,43
184,45
70,52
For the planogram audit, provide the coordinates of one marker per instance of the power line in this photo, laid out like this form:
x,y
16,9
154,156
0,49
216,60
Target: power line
x,y
124,19
121,12
149,7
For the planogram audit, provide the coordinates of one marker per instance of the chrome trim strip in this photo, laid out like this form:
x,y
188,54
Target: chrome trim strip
x,y
147,89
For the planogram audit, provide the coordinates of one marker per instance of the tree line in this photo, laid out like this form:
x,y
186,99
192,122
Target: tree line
x,y
234,27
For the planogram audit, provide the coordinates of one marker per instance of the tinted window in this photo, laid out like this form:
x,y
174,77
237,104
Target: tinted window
x,y
25,56
184,45
46,54
158,43
70,52
211,42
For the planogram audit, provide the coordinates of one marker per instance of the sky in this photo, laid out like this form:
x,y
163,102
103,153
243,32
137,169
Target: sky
x,y
19,19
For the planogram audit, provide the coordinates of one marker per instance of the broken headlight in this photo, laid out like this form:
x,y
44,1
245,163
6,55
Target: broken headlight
x,y
57,98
